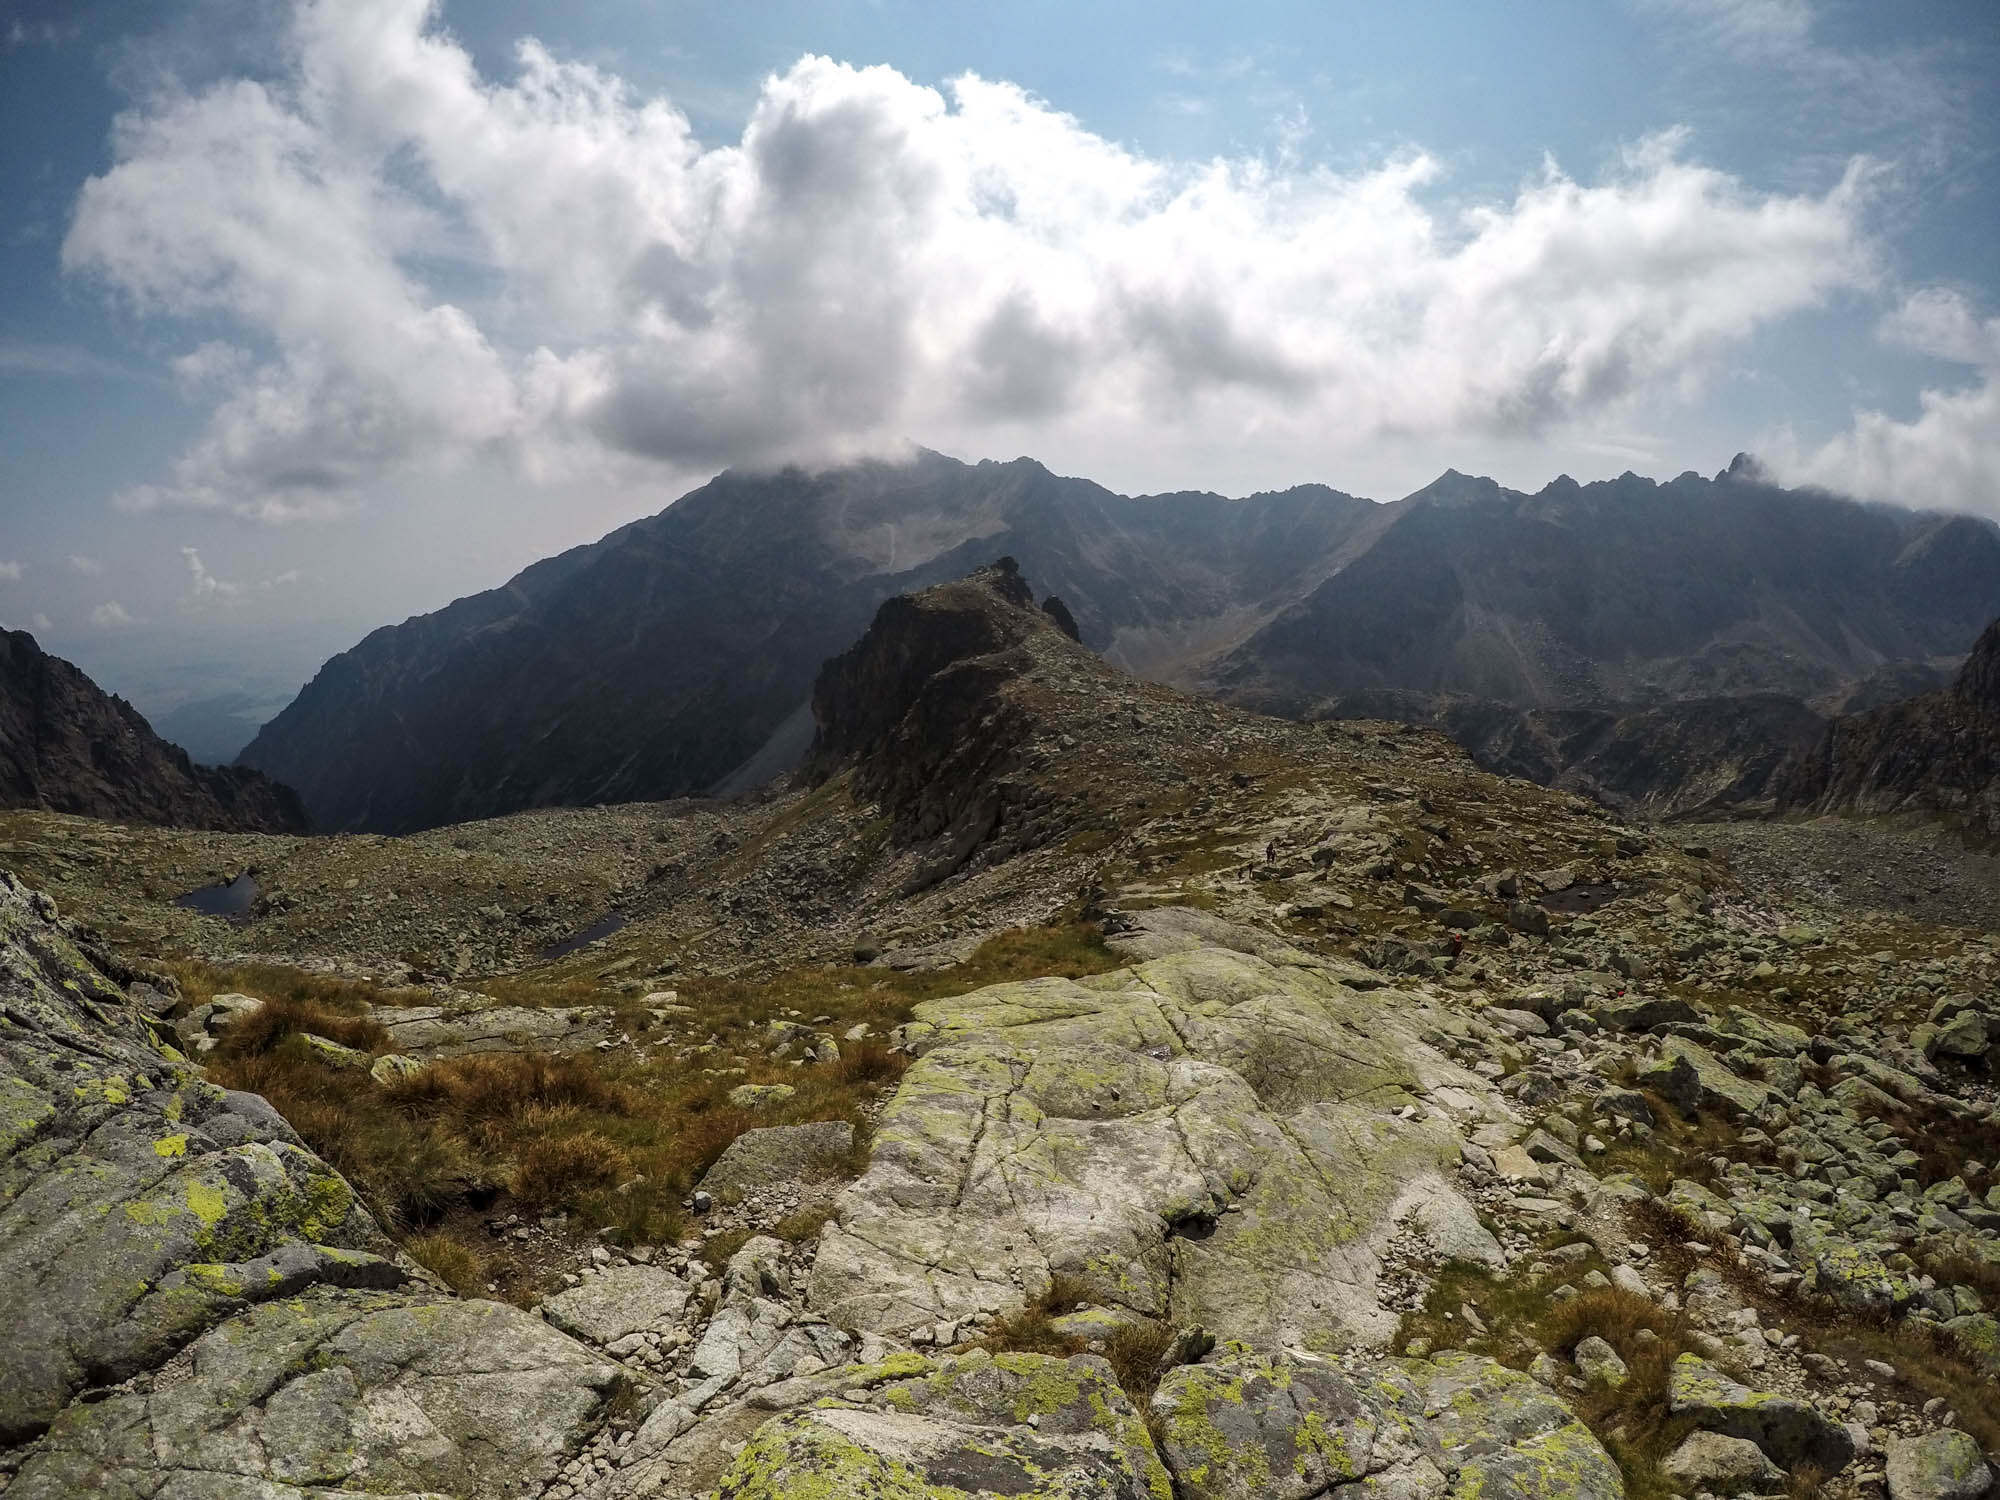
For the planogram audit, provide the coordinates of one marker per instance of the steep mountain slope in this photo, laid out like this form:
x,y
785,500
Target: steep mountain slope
x,y
68,746
1934,753
681,649
654,661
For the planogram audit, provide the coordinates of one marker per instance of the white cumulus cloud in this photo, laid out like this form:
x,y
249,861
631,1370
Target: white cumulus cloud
x,y
435,268
1948,455
89,567
11,571
111,615
208,589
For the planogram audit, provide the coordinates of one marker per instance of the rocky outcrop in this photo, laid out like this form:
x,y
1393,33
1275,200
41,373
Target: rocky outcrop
x,y
197,1305
1206,1137
68,746
1938,753
920,706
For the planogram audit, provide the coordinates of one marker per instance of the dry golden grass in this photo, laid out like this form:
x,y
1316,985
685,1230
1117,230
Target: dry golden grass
x,y
614,1139
1133,1350
1524,1319
451,1260
269,1026
201,982
1134,1353
560,1168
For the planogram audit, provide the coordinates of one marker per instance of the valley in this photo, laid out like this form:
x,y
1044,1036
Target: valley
x,y
1066,1086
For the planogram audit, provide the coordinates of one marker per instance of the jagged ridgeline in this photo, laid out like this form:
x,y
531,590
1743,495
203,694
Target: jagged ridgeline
x,y
1070,1088
676,656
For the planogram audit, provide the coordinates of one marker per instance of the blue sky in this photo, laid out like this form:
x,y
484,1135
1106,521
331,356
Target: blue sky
x,y
313,316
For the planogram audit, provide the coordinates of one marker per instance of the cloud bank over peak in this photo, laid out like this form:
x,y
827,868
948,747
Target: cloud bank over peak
x,y
422,269
1948,455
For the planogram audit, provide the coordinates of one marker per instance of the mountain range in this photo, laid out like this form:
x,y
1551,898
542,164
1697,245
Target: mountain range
x,y
675,657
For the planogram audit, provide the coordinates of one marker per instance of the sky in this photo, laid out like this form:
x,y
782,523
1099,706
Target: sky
x,y
315,314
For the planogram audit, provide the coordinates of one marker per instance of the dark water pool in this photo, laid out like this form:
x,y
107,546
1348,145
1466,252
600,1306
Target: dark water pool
x,y
1579,900
603,927
231,900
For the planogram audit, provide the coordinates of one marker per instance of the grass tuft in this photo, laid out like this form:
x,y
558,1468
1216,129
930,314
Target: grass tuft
x,y
451,1260
558,1170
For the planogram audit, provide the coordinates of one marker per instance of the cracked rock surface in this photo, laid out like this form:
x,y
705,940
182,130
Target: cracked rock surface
x,y
195,1304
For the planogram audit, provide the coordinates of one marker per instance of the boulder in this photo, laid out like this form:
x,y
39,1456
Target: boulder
x,y
196,1305
427,1032
1849,1273
778,1153
617,1302
337,1390
1641,1012
1257,1427
1722,1465
1789,1430
1026,1425
1599,1363
1943,1465
1965,1035
760,1095
1691,1078
1249,1426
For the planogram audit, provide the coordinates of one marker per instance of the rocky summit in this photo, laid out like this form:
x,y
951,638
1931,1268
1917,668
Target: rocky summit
x,y
1062,1087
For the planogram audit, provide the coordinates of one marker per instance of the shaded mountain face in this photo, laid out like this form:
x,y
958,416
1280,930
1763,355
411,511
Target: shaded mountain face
x,y
1697,758
1936,753
677,655
1625,592
68,746
656,661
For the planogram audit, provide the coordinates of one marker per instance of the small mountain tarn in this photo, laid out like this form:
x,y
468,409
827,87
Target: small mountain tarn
x,y
604,927
231,899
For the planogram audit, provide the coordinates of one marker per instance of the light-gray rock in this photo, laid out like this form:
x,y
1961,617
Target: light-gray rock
x,y
1026,1425
760,1095
427,1032
1943,1465
1599,1363
778,1153
1965,1035
160,1231
1251,1427
617,1302
131,1188
1722,1465
757,1335
1206,1137
336,1390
